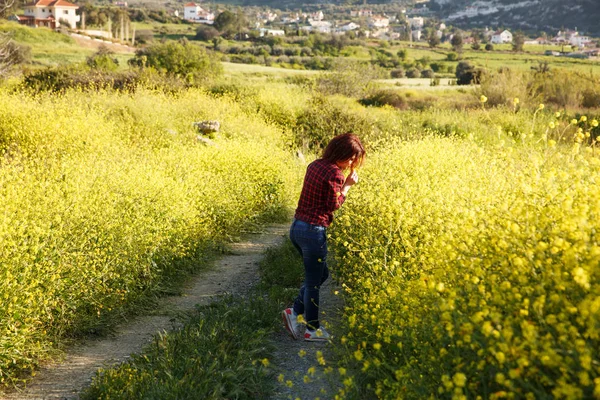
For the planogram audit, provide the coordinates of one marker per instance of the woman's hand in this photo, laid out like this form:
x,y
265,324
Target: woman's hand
x,y
350,180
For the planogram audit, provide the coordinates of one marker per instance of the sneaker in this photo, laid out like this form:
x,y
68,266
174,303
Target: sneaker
x,y
318,335
290,320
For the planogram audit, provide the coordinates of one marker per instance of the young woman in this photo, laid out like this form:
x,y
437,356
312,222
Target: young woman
x,y
324,191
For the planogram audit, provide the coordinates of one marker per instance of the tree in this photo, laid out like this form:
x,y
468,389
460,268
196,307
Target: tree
x,y
5,5
518,41
6,48
457,42
103,59
183,60
466,73
206,33
230,24
433,39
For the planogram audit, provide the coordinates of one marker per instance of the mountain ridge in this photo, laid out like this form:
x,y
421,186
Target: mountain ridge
x,y
532,16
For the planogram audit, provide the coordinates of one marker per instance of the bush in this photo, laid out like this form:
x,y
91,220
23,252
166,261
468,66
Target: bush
x,y
590,98
323,120
183,60
397,73
349,78
452,56
60,79
383,98
503,86
103,59
489,47
466,73
206,33
144,36
427,73
413,73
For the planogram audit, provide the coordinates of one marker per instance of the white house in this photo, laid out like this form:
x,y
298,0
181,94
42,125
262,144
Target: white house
x,y
580,41
350,26
317,16
193,12
379,22
361,13
318,26
50,13
266,16
416,22
271,32
501,37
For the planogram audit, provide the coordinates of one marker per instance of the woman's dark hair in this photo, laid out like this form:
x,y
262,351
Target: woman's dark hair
x,y
343,147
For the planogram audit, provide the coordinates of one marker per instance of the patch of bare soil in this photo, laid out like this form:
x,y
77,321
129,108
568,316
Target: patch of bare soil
x,y
233,273
91,43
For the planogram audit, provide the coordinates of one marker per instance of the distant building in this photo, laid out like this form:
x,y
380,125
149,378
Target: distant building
x,y
49,13
500,37
121,4
348,27
265,17
538,41
379,21
194,13
361,13
318,26
416,22
317,16
271,32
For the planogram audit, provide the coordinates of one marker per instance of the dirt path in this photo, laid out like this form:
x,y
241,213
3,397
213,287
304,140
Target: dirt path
x,y
233,273
293,358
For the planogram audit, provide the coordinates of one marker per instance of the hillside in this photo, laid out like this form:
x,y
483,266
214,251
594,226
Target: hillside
x,y
528,15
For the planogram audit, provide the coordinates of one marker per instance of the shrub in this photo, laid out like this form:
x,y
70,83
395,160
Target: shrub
x,y
349,78
466,73
590,98
187,61
413,73
452,56
206,33
397,73
60,79
503,86
103,59
383,98
489,47
427,73
322,120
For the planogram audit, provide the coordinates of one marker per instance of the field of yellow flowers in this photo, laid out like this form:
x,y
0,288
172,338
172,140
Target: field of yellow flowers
x,y
468,254
473,271
105,197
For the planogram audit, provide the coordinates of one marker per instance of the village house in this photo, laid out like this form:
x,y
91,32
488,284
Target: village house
x,y
49,13
416,22
316,16
361,13
350,26
266,16
318,26
572,38
194,13
379,21
271,32
500,37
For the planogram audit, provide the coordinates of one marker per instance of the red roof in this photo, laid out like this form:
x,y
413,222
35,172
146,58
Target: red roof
x,y
190,5
53,3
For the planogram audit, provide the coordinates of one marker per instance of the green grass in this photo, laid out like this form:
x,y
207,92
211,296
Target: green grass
x,y
222,352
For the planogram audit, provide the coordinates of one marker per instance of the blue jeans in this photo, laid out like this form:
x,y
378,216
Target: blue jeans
x,y
311,243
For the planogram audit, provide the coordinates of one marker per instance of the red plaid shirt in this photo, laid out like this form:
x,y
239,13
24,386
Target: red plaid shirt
x,y
321,193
